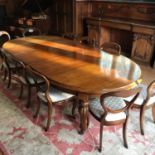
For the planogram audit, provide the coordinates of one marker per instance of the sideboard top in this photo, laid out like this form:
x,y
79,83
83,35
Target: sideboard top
x,y
122,1
127,1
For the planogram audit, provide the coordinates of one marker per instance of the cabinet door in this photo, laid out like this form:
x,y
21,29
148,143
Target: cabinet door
x,y
142,48
98,34
53,17
62,16
68,16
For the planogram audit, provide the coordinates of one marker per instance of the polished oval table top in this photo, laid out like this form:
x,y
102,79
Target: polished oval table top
x,y
74,66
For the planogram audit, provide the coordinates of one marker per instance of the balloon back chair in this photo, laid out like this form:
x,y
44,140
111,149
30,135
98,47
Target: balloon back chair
x,y
111,47
111,109
48,94
15,69
70,35
87,41
31,32
30,81
10,66
145,100
4,37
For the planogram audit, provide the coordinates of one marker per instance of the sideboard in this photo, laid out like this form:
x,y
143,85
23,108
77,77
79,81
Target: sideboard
x,y
132,25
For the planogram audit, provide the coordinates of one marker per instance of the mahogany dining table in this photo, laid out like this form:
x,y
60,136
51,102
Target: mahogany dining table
x,y
77,68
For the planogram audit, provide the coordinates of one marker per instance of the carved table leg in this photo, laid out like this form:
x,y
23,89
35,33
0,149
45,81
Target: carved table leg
x,y
84,114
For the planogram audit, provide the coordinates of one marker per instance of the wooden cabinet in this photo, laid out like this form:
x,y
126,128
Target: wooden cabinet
x,y
143,43
61,16
68,16
132,25
137,41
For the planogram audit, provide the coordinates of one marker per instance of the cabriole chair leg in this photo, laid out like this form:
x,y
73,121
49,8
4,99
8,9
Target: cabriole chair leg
x,y
38,108
5,75
142,121
9,82
49,117
124,134
101,135
153,112
2,67
29,97
21,91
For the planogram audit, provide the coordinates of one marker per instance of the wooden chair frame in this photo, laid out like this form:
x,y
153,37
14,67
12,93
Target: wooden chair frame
x,y
111,47
49,101
3,33
8,70
20,70
71,36
31,31
102,120
29,85
86,40
144,106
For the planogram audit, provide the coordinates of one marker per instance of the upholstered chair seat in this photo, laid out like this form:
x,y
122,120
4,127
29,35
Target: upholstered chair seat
x,y
30,79
11,64
114,103
142,97
55,95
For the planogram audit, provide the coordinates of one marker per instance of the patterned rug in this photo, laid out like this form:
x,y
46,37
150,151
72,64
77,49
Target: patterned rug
x,y
20,134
